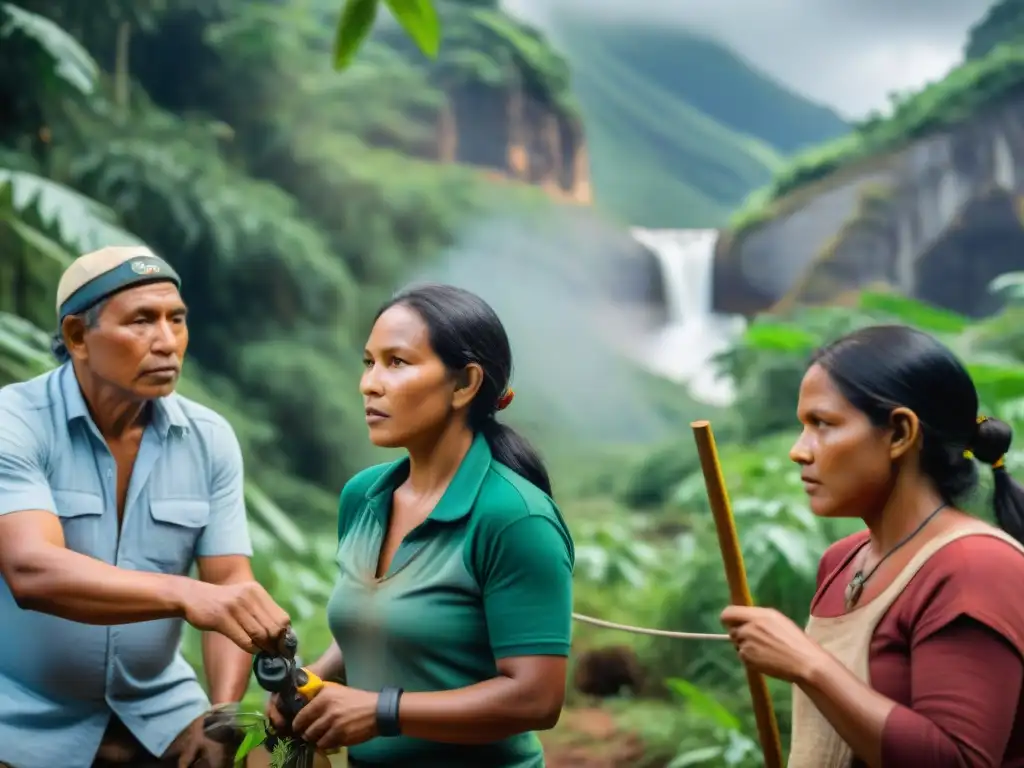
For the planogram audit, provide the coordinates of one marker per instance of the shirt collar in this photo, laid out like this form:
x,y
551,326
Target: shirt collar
x,y
167,411
458,498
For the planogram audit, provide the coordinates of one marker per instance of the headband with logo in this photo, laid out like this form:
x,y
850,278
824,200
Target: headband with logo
x,y
97,275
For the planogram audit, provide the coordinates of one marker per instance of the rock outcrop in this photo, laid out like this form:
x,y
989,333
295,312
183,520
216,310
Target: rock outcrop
x,y
511,133
936,220
518,137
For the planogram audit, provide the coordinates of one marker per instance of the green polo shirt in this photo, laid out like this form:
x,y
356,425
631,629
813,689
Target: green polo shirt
x,y
487,576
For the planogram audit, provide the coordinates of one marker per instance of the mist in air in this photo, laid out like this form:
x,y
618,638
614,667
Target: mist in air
x,y
575,295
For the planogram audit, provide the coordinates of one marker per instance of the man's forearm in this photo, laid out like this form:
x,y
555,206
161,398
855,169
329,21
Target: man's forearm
x,y
227,668
226,665
63,583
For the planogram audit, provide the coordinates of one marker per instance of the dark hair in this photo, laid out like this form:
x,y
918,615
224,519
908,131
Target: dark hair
x,y
464,329
884,367
90,318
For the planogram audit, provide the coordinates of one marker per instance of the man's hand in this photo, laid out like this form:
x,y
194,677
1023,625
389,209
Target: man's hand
x,y
194,750
243,612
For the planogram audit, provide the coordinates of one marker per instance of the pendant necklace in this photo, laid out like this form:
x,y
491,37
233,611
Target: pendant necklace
x,y
856,586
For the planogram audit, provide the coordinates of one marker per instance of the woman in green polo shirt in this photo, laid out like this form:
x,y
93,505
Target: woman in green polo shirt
x,y
452,610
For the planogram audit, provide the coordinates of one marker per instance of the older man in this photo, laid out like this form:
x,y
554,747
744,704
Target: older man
x,y
111,487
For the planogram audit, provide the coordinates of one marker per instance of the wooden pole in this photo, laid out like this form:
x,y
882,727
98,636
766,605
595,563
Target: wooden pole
x,y
739,589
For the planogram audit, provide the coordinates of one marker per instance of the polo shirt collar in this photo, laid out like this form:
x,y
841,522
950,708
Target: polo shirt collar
x,y
167,411
460,496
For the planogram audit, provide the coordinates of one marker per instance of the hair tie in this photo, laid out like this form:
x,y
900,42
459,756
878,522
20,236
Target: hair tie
x,y
999,463
506,399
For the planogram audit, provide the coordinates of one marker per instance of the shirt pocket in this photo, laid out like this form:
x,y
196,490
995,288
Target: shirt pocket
x,y
81,516
176,526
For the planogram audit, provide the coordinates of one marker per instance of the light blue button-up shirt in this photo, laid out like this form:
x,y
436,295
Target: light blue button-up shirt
x,y
60,680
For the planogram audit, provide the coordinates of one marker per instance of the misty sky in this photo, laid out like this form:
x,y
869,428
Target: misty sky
x,y
847,53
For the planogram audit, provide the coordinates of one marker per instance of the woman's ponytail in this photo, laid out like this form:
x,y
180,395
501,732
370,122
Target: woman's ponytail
x,y
989,446
514,451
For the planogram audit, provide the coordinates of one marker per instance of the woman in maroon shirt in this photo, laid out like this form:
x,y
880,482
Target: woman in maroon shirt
x,y
914,653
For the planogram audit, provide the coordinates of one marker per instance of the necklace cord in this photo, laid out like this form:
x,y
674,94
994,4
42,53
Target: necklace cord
x,y
856,585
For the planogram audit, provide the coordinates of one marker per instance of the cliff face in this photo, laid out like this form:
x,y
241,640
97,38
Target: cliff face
x,y
516,138
520,137
505,103
936,220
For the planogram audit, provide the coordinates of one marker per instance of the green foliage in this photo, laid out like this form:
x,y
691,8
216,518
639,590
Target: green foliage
x,y
417,17
357,18
254,737
612,555
530,60
291,214
680,583
769,360
961,95
482,46
252,210
486,49
728,744
1004,23
651,478
73,217
72,63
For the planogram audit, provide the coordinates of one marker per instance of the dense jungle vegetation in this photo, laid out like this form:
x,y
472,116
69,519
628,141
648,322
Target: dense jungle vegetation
x,y
217,133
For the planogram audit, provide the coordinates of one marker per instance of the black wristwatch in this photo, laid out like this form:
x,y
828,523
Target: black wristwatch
x,y
387,711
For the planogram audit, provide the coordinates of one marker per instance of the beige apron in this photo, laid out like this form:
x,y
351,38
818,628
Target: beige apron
x,y
814,742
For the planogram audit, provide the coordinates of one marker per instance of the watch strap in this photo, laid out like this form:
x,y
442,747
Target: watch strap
x,y
387,711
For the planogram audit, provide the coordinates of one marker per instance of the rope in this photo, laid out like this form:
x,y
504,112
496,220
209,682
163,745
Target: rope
x,y
646,631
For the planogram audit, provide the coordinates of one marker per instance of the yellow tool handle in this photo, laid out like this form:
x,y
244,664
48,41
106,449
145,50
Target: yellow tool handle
x,y
311,687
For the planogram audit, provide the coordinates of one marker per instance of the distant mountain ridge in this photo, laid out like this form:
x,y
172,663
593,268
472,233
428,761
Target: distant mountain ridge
x,y
680,128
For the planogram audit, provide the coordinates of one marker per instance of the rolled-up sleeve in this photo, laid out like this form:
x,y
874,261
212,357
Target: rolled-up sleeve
x,y
227,532
23,482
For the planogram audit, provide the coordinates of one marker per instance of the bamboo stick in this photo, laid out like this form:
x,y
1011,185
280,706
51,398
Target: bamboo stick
x,y
739,589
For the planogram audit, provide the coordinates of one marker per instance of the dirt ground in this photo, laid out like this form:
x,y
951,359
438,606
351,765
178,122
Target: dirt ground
x,y
590,738
584,738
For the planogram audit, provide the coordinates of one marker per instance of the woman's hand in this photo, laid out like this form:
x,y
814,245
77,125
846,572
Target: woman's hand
x,y
770,643
338,716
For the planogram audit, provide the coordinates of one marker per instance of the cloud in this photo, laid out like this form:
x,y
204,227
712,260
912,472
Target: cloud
x,y
847,53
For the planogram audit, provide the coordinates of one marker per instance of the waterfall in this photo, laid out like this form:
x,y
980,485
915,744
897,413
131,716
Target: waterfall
x,y
1004,169
682,349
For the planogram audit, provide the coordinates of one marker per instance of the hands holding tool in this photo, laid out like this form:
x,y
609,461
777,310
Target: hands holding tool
x,y
771,643
326,715
337,716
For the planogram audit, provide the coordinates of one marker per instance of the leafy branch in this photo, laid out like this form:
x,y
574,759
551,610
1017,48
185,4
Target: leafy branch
x,y
418,18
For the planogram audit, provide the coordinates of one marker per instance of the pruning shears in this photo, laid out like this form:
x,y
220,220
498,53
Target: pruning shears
x,y
280,673
277,673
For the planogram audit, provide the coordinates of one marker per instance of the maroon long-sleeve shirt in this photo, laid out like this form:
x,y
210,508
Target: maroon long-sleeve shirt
x,y
949,652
